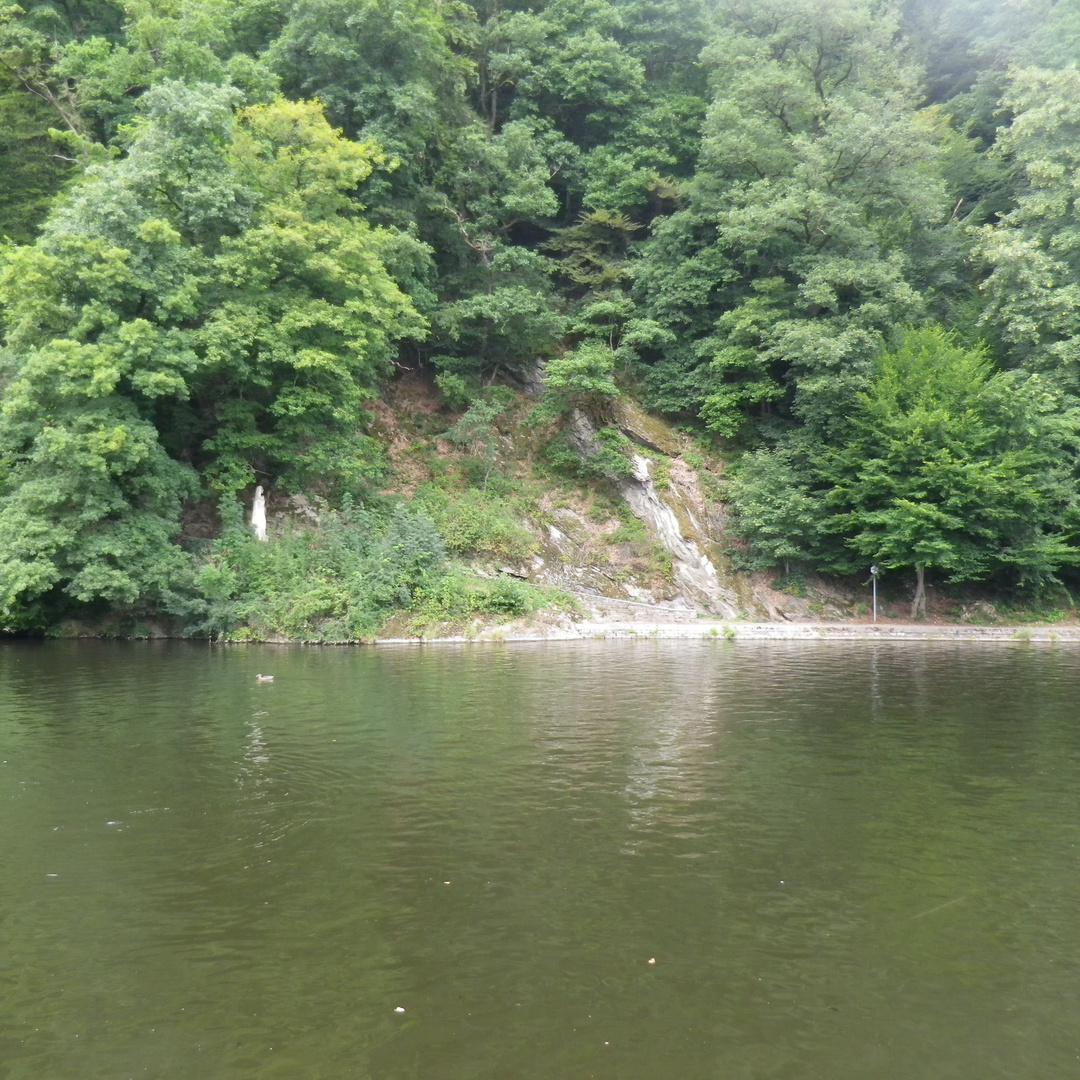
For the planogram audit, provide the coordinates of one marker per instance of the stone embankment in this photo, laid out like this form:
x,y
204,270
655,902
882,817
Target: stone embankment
x,y
711,630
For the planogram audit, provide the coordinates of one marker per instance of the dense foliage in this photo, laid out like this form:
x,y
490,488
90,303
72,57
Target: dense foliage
x,y
838,238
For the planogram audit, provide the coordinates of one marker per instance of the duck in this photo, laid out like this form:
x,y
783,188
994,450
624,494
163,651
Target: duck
x,y
264,678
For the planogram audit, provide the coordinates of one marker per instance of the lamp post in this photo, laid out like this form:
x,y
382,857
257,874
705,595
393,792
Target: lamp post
x,y
873,585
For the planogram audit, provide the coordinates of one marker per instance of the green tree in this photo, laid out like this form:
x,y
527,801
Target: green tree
x,y
1033,252
949,466
815,181
302,316
584,376
778,509
392,73
578,73
32,164
501,310
213,298
90,501
90,62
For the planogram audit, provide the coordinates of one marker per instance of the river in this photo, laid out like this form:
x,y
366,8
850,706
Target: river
x,y
650,860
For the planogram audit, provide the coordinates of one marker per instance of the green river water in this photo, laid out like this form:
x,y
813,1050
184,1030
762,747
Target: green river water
x,y
613,860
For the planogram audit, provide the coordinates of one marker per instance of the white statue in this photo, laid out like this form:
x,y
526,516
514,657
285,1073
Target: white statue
x,y
258,514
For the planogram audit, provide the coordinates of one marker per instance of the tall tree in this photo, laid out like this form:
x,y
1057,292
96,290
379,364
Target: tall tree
x,y
215,298
946,465
33,166
1033,252
816,177
385,71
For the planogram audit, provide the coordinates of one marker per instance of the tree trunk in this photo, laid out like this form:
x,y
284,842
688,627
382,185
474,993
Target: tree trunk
x,y
918,605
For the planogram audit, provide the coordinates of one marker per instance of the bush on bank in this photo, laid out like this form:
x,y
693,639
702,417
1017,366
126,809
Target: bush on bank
x,y
344,580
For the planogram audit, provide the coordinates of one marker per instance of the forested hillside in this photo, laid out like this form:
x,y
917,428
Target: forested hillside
x,y
835,242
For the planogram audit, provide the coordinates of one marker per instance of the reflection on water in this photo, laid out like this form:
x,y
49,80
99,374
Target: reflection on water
x,y
847,861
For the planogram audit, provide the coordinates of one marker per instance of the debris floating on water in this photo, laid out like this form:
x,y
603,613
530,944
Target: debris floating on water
x,y
940,907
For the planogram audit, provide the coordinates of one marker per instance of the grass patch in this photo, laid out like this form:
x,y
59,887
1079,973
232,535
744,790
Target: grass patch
x,y
476,523
459,598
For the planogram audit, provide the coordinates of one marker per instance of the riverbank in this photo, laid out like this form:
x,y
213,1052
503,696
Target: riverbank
x,y
707,629
653,622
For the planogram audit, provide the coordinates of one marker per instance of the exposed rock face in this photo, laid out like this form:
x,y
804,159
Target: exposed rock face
x,y
638,426
695,574
676,514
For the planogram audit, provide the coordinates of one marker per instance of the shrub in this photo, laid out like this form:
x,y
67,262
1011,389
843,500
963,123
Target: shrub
x,y
335,582
475,523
